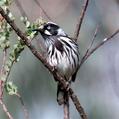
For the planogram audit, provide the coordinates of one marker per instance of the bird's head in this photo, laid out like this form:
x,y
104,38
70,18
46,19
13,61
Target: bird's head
x,y
50,29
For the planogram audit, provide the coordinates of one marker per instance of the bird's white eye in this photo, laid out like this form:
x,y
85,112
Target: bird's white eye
x,y
48,27
47,32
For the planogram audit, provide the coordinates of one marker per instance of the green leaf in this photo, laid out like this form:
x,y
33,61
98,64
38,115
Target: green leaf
x,y
11,88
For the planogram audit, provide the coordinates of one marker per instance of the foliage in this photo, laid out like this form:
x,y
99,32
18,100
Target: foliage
x,y
17,48
10,88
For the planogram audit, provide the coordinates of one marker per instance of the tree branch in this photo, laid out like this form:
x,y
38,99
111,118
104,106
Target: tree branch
x,y
92,41
3,62
23,106
2,71
87,51
1,88
5,109
66,106
43,60
98,46
81,17
77,104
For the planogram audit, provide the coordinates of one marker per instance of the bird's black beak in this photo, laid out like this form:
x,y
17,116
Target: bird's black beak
x,y
35,30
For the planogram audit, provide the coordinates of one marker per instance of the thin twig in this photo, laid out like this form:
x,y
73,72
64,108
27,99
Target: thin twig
x,y
81,17
43,60
23,106
98,46
2,72
1,89
45,13
66,111
92,41
66,106
5,109
3,62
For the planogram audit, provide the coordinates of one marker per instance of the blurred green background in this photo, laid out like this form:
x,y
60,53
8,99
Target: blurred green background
x,y
97,84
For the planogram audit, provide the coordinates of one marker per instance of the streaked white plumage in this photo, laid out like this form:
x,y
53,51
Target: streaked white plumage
x,y
65,62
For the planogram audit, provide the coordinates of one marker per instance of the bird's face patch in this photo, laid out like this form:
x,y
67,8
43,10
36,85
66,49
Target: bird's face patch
x,y
51,29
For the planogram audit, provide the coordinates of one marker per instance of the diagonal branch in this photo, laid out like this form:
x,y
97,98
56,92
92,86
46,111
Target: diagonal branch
x,y
43,60
88,50
92,41
77,104
23,106
2,72
5,109
3,62
98,46
81,17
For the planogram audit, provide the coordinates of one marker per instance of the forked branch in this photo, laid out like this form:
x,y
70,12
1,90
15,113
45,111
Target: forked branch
x,y
98,46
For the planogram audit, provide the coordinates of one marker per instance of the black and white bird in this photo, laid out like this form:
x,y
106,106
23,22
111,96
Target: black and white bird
x,y
62,53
